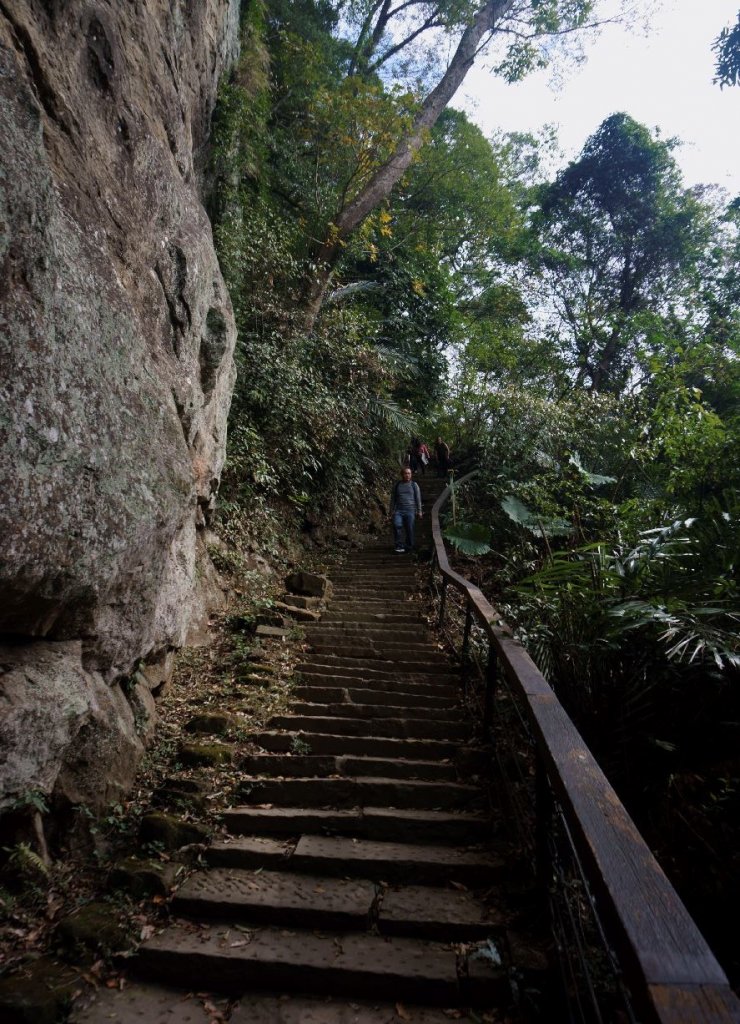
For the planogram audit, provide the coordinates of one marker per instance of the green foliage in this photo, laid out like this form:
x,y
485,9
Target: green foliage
x,y
24,862
33,799
619,246
469,538
538,525
727,50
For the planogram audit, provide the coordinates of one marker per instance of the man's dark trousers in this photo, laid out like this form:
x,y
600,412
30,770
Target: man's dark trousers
x,y
404,522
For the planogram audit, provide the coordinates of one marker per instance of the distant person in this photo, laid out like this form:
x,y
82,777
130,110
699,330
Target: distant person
x,y
418,456
405,507
413,460
424,458
442,455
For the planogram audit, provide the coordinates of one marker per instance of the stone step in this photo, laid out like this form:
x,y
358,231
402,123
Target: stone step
x,y
278,898
398,571
358,792
377,641
364,966
405,582
405,651
373,711
366,599
355,695
361,746
407,668
375,633
318,675
305,765
289,899
142,1003
395,863
391,594
398,728
384,824
390,617
380,679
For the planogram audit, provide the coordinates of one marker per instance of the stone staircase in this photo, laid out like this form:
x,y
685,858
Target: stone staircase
x,y
355,882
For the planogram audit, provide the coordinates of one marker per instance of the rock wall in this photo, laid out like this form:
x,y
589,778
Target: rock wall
x,y
116,372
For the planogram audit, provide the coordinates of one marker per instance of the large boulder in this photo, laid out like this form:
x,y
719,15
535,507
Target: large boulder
x,y
116,368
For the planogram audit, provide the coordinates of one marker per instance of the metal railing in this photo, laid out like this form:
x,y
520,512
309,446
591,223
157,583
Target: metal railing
x,y
615,915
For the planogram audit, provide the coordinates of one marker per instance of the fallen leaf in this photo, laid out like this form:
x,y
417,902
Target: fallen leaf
x,y
402,1012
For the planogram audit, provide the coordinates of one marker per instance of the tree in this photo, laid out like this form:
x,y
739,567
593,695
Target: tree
x,y
423,267
620,243
727,49
383,32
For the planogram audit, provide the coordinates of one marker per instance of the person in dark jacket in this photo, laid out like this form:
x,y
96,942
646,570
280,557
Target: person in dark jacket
x,y
405,507
442,454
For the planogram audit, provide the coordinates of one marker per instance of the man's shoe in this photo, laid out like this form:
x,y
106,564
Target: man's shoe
x,y
400,551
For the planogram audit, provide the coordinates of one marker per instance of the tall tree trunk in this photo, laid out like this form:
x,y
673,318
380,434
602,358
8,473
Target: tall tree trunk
x,y
387,176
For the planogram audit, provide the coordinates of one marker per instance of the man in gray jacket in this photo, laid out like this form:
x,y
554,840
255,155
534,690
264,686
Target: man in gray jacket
x,y
405,506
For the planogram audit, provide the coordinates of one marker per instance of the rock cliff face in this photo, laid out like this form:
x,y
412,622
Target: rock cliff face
x,y
116,371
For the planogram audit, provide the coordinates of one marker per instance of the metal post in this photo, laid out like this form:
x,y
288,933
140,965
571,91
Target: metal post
x,y
442,601
432,566
543,810
466,632
491,677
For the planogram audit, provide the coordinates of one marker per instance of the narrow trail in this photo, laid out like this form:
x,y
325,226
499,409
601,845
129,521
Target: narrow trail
x,y
358,857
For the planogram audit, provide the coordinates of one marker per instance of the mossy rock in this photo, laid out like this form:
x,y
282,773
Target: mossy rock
x,y
272,617
182,793
143,877
38,993
213,723
205,754
299,601
93,928
170,832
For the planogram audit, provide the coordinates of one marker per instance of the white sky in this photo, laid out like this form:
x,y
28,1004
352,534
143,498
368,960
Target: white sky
x,y
662,79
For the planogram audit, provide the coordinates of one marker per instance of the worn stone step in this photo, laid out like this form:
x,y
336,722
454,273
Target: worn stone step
x,y
417,640
377,668
387,591
443,914
398,728
372,630
362,966
389,682
392,862
400,863
298,900
407,825
278,898
405,651
358,792
373,711
355,695
399,570
142,1003
389,617
306,765
371,746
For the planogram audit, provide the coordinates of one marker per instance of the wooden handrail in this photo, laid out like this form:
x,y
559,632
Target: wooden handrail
x,y
672,971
